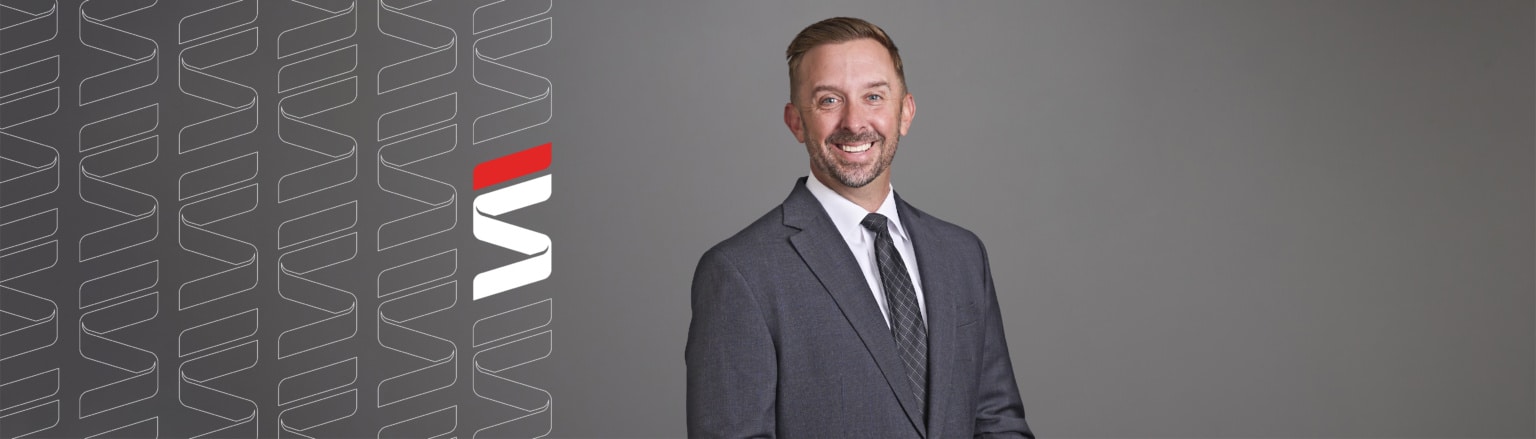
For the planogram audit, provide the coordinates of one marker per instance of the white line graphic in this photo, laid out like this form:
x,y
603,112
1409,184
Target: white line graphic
x,y
493,381
339,151
220,346
439,353
530,93
40,162
196,388
40,24
441,57
320,236
206,318
100,332
38,330
140,51
118,306
29,385
418,289
510,28
140,207
438,197
196,79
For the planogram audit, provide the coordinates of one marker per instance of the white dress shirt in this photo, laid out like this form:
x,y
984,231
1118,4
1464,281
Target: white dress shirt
x,y
848,217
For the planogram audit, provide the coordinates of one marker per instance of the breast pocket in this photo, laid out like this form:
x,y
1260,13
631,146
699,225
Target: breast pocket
x,y
967,315
968,336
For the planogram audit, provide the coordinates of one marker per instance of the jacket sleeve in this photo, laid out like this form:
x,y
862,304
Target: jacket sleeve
x,y
731,360
999,410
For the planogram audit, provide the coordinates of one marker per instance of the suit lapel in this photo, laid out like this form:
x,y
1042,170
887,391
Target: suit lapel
x,y
939,299
824,251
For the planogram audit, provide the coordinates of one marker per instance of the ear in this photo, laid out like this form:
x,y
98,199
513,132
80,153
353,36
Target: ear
x,y
792,120
908,109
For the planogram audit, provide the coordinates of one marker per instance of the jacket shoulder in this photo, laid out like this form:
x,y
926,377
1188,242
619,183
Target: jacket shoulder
x,y
945,230
768,230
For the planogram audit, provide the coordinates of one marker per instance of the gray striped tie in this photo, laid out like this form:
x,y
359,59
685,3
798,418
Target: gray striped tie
x,y
906,320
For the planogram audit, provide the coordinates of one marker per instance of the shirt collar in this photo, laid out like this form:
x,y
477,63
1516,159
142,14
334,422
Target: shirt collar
x,y
847,216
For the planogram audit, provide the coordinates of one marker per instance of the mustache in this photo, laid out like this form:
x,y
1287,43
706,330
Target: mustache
x,y
852,138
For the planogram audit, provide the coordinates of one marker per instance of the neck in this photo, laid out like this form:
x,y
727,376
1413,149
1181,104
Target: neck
x,y
868,197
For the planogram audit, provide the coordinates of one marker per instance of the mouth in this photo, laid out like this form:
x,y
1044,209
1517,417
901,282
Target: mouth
x,y
856,148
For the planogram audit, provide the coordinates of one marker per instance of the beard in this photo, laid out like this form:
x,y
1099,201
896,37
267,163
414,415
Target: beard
x,y
853,175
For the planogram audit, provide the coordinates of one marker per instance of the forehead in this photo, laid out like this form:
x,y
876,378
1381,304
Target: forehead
x,y
847,65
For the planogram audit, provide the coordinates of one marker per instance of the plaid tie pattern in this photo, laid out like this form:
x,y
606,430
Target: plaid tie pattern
x,y
906,320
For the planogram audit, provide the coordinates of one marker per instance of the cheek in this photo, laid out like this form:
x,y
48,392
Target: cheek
x,y
887,123
817,127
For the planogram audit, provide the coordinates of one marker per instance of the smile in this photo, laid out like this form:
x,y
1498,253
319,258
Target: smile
x,y
856,148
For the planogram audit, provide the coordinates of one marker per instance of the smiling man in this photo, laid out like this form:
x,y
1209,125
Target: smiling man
x,y
845,311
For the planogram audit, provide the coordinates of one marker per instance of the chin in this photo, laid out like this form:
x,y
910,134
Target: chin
x,y
847,179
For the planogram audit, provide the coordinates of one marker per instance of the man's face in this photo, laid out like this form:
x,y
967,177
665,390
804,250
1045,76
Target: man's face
x,y
850,110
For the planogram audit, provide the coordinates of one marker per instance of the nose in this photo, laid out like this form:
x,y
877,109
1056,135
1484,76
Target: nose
x,y
854,117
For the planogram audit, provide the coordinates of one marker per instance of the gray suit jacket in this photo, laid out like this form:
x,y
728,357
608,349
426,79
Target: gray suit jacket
x,y
787,341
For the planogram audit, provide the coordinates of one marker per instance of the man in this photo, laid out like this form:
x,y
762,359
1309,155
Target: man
x,y
846,312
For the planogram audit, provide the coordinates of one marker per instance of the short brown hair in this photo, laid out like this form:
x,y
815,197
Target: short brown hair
x,y
838,30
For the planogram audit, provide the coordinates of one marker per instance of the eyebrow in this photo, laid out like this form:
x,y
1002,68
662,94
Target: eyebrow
x,y
874,84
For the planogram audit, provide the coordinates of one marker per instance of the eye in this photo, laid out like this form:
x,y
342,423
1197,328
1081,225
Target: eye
x,y
874,98
827,100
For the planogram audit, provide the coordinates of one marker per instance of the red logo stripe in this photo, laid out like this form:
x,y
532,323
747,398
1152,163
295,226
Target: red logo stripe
x,y
512,165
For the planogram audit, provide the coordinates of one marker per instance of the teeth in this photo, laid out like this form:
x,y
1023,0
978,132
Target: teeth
x,y
856,148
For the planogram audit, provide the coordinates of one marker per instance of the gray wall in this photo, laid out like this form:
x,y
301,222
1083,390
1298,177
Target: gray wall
x,y
1206,219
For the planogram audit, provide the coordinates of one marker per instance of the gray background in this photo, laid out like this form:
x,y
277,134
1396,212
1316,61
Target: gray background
x,y
1206,219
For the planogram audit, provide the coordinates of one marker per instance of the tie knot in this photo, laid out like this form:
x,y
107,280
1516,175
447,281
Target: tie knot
x,y
875,222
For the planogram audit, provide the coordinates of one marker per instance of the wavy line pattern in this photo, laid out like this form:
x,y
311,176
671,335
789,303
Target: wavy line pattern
x,y
97,32
420,289
121,296
38,24
494,366
508,29
220,188
441,42
118,306
401,315
396,333
437,197
530,93
29,322
237,101
101,333
492,379
317,238
141,208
